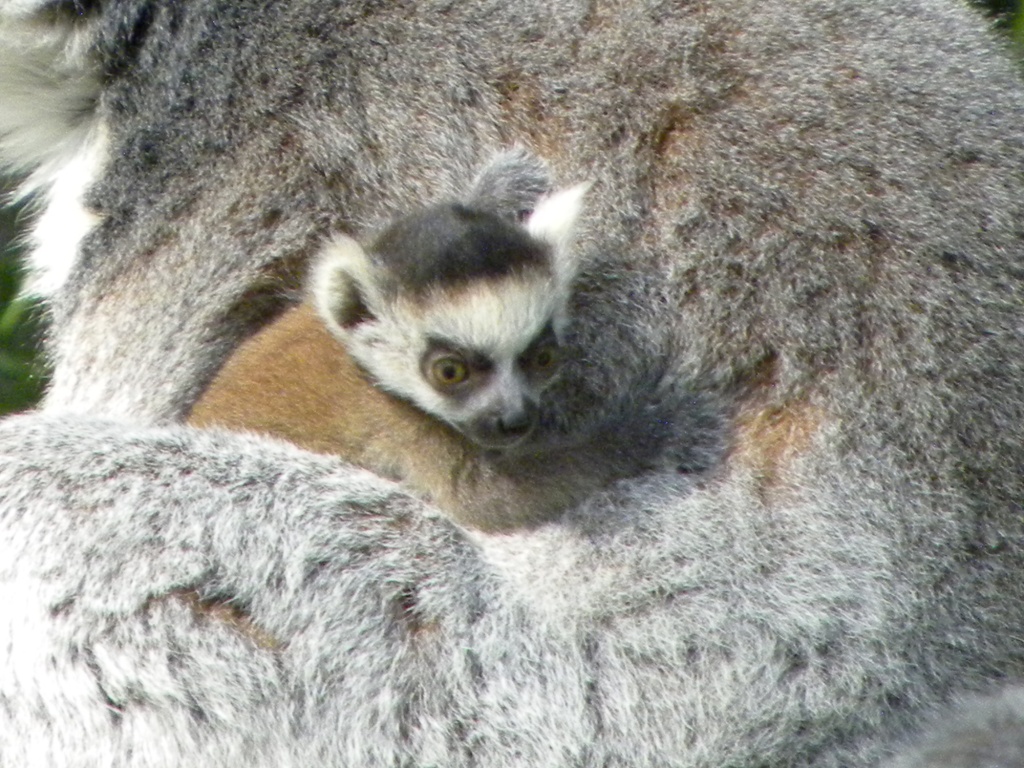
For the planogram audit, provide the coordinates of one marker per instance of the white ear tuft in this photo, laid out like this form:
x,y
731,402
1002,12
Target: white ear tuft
x,y
554,219
342,283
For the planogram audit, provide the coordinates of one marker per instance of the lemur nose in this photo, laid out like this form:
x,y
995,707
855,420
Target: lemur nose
x,y
515,424
505,428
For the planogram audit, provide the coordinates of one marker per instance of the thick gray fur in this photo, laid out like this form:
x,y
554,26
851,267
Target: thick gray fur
x,y
804,250
985,732
510,184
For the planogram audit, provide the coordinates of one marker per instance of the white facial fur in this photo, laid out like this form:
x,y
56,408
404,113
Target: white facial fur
x,y
499,317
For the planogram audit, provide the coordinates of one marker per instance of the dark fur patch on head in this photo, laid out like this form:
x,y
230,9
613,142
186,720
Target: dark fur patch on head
x,y
450,244
71,8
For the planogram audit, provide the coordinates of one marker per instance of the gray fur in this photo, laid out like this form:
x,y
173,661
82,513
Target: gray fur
x,y
804,226
985,732
511,183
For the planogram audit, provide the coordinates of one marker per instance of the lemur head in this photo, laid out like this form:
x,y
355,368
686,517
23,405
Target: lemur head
x,y
458,310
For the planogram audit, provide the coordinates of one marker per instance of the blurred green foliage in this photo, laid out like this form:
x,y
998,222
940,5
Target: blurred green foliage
x,y
1009,16
21,372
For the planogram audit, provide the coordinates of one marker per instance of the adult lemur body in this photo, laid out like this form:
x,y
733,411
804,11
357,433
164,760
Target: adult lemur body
x,y
424,357
804,228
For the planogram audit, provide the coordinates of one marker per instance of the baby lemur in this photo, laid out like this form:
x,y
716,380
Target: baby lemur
x,y
424,356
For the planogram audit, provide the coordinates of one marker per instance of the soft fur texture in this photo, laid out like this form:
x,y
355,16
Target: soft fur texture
x,y
984,732
803,249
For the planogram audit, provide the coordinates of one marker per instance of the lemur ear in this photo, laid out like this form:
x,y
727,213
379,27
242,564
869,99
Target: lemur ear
x,y
342,284
510,184
553,222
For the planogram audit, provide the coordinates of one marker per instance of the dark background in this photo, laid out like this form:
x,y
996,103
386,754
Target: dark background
x,y
22,374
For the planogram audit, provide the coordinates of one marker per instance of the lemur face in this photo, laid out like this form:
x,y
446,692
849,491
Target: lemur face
x,y
487,352
459,312
492,399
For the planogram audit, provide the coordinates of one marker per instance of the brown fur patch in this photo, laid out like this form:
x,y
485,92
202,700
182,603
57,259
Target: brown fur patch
x,y
769,440
296,381
526,112
227,615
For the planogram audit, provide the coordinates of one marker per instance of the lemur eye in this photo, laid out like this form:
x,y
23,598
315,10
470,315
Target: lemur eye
x,y
449,371
542,361
545,358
